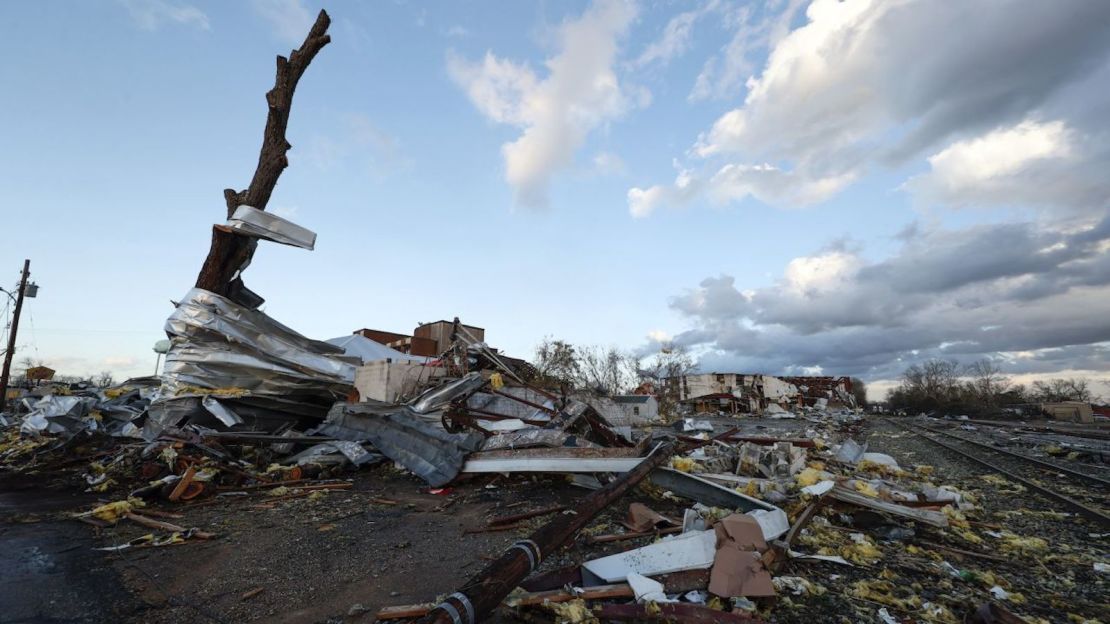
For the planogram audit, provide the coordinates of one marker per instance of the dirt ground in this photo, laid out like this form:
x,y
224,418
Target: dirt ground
x,y
339,557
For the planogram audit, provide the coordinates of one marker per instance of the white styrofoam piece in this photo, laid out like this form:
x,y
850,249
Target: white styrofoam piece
x,y
647,590
773,523
686,551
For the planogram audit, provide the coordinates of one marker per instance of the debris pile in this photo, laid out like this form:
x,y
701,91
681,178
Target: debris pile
x,y
713,517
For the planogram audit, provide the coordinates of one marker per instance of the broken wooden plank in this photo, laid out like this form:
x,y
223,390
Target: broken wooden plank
x,y
182,484
616,590
844,495
165,526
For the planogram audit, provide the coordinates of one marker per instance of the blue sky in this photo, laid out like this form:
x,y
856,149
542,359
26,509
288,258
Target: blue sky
x,y
630,190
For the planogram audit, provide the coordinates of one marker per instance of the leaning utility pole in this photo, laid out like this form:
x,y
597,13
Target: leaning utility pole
x,y
10,353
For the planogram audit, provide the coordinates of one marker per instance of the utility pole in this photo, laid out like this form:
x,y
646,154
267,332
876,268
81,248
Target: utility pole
x,y
10,353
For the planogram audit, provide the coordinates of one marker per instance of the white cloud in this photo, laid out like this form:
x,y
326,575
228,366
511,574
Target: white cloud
x,y
724,73
501,89
1003,152
733,183
580,93
290,19
851,89
773,186
965,294
1031,163
821,273
675,39
152,14
608,163
643,202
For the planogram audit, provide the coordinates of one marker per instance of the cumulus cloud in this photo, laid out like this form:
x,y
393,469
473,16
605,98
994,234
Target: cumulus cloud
x,y
1030,163
556,113
152,14
992,290
868,83
290,19
753,29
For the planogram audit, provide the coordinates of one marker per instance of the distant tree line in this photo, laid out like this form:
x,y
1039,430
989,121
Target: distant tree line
x,y
979,387
102,380
607,370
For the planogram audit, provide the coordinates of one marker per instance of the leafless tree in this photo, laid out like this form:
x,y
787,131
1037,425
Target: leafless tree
x,y
1061,389
930,385
556,361
104,379
986,382
672,362
605,369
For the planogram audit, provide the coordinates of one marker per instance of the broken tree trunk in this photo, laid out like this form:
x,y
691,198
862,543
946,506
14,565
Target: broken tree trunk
x,y
481,595
230,253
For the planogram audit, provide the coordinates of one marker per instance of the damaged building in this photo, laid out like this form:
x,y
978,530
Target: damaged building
x,y
740,393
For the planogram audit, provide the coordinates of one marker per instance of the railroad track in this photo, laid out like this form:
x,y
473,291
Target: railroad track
x,y
1084,493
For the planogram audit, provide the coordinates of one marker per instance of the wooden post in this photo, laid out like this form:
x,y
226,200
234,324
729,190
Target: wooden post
x,y
10,353
481,594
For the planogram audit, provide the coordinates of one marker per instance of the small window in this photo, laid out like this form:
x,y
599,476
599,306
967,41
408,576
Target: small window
x,y
635,411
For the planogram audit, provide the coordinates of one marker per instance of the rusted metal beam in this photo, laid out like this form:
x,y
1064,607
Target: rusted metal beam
x,y
480,595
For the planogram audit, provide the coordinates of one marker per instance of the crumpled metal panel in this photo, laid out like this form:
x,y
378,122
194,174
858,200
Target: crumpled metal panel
x,y
225,414
350,451
250,221
403,435
217,343
529,438
168,413
440,397
504,405
59,414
